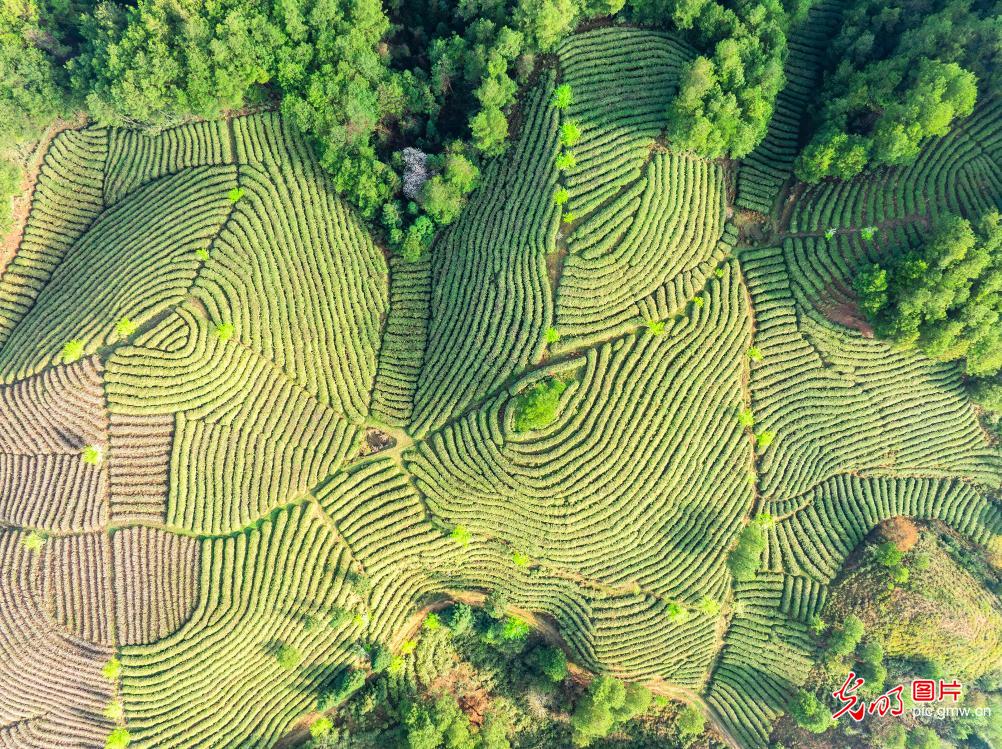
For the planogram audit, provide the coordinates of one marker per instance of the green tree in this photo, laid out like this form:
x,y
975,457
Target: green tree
x,y
537,408
945,297
809,712
923,738
595,713
549,661
37,39
898,76
287,656
690,722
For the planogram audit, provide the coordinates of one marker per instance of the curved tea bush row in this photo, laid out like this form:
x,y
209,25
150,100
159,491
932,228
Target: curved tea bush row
x,y
633,485
77,588
957,173
54,492
135,157
136,261
218,680
404,339
66,201
45,423
765,657
822,270
139,450
667,223
246,438
379,515
302,283
156,576
58,411
377,512
837,515
803,597
767,651
765,170
53,692
622,80
491,299
840,403
637,638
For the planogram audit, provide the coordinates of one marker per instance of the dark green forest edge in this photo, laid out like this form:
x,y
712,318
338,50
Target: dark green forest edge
x,y
406,104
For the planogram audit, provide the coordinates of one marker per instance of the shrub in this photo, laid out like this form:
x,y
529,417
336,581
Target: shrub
x,y
287,656
72,351
224,331
745,559
690,721
566,160
112,669
321,727
709,606
91,455
114,711
538,407
677,613
34,541
570,134
563,96
461,535
549,661
809,712
118,739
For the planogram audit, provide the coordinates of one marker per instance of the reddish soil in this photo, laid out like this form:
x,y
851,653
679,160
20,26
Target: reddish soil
x,y
848,315
901,531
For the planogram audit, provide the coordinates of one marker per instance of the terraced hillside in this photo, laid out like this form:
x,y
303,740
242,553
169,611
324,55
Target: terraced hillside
x,y
196,334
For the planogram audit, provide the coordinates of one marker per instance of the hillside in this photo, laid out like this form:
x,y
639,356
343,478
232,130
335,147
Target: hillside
x,y
243,444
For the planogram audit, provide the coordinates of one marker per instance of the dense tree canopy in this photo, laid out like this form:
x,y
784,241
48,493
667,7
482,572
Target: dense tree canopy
x,y
726,97
946,298
899,72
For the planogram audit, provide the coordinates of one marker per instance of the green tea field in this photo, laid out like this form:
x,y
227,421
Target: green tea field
x,y
244,445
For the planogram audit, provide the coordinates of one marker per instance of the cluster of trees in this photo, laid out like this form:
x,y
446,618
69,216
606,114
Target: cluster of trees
x,y
607,703
946,298
899,72
726,97
360,81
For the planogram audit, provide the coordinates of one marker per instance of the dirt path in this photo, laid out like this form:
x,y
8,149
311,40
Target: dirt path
x,y
546,627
